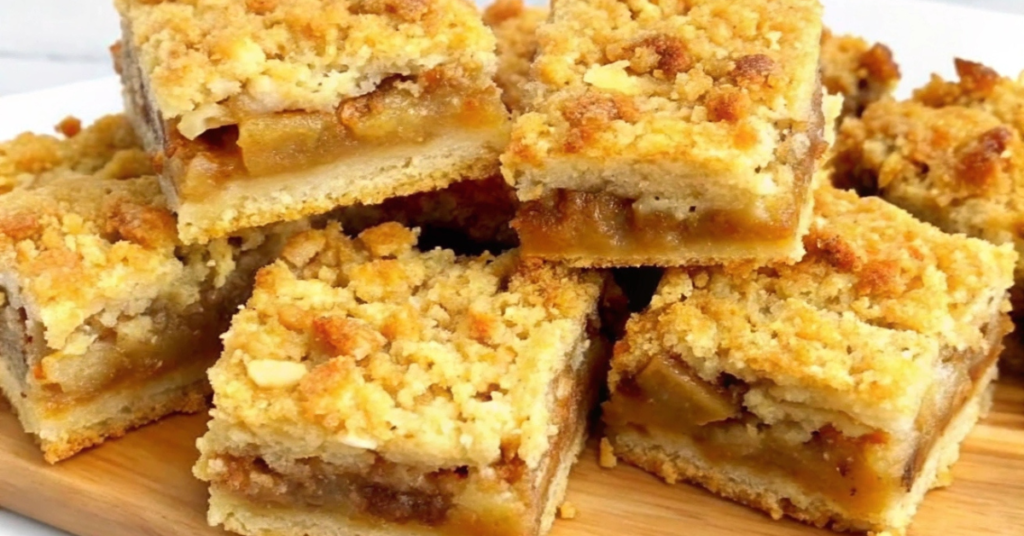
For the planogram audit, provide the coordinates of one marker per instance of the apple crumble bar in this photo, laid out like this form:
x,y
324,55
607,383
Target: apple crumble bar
x,y
266,111
860,72
952,156
515,27
669,133
370,388
836,390
106,321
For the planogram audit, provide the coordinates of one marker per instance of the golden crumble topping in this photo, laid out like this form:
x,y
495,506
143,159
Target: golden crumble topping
x,y
515,27
856,327
725,76
861,72
269,55
979,87
80,247
106,149
950,156
86,243
424,357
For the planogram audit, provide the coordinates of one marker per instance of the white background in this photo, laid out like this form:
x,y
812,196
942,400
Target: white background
x,y
46,43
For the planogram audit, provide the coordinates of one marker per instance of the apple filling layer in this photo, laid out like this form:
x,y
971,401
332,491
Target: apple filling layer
x,y
398,113
99,358
567,223
668,401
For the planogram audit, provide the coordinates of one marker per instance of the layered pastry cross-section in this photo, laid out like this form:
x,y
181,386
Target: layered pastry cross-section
x,y
370,388
259,112
836,390
669,133
106,321
952,155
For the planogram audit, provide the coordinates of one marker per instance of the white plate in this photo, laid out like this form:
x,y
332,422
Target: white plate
x,y
924,36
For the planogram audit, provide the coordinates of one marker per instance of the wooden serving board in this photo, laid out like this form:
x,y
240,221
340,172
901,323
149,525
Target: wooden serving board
x,y
143,485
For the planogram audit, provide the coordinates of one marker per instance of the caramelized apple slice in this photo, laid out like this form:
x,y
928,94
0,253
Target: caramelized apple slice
x,y
676,391
281,142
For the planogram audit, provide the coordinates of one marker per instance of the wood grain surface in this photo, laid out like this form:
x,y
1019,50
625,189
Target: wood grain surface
x,y
142,485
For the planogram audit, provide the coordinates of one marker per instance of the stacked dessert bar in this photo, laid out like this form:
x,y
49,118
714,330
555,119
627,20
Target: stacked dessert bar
x,y
410,210
953,156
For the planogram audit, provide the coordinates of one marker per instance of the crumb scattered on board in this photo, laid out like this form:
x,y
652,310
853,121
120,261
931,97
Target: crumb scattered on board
x,y
607,457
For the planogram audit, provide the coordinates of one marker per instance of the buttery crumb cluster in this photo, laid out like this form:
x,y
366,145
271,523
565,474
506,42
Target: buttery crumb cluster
x,y
208,57
425,357
107,149
640,74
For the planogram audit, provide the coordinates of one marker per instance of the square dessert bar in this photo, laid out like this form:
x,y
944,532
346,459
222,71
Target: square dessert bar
x,y
860,72
264,111
106,321
952,156
836,390
669,133
369,388
107,149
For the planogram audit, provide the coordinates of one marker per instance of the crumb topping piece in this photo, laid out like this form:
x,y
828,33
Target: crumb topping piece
x,y
724,76
857,326
860,72
87,244
202,57
952,155
424,357
515,27
106,149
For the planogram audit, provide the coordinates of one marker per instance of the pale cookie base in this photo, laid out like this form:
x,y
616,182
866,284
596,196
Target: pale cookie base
x,y
109,415
368,177
676,460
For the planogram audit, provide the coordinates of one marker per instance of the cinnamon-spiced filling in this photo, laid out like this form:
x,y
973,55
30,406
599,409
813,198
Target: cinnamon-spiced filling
x,y
401,111
565,223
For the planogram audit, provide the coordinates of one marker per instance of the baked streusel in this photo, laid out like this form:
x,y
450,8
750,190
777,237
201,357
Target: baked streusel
x,y
370,387
836,390
669,133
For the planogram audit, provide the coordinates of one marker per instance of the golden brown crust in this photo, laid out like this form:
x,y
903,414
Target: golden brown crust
x,y
426,358
979,87
952,155
210,61
106,149
715,74
515,27
187,399
824,329
860,72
